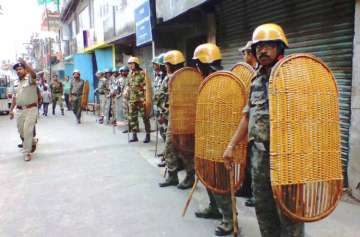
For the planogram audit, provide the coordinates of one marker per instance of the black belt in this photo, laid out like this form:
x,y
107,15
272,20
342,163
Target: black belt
x,y
26,106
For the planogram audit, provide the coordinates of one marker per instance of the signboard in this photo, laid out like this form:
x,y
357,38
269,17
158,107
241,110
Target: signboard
x,y
143,24
171,8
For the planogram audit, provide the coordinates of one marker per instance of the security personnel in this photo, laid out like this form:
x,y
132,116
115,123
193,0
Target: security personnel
x,y
26,102
57,91
174,60
250,59
121,85
100,95
107,89
76,91
137,91
248,55
269,44
162,122
208,60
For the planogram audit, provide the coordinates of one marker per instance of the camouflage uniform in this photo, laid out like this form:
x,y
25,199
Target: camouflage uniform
x,y
161,103
101,89
271,221
137,101
57,92
126,96
76,90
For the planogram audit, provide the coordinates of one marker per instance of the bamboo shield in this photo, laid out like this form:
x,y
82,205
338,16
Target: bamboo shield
x,y
183,91
306,171
85,95
221,99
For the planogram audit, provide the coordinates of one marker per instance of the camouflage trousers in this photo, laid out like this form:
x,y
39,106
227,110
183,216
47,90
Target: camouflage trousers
x,y
136,109
57,99
173,155
223,204
161,126
76,106
272,222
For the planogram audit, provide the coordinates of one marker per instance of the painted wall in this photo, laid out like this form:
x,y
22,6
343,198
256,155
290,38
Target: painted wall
x,y
104,58
354,158
69,68
83,63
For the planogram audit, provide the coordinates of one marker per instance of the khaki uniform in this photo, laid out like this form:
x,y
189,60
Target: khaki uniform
x,y
26,94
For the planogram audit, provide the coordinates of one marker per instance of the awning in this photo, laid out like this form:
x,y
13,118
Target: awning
x,y
96,46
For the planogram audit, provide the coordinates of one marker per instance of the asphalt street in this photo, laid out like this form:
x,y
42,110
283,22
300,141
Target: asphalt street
x,y
86,180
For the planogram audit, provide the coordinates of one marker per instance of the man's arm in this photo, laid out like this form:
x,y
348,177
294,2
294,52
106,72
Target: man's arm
x,y
12,107
239,135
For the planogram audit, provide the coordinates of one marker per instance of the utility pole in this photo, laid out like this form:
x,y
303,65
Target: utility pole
x,y
48,25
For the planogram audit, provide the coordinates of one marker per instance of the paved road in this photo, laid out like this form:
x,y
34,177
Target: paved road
x,y
85,180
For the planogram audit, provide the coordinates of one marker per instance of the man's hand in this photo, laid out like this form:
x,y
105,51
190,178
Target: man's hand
x,y
228,157
11,113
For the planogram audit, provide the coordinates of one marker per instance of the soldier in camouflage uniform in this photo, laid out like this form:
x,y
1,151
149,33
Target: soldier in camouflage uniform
x,y
174,60
107,89
208,60
57,90
76,90
269,43
137,90
99,93
159,98
159,109
124,81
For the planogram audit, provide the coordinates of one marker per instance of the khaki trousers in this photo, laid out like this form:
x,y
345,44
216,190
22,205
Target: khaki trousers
x,y
26,120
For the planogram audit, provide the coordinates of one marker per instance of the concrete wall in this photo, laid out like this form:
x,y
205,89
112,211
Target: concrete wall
x,y
354,156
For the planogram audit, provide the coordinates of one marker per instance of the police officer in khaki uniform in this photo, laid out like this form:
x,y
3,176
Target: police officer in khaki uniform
x,y
26,103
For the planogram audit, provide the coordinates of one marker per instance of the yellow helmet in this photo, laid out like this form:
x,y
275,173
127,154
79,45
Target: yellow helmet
x,y
134,60
269,32
174,57
207,53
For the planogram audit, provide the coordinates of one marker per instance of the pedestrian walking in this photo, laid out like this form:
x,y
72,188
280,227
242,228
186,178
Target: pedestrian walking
x,y
25,101
46,98
76,92
269,44
66,85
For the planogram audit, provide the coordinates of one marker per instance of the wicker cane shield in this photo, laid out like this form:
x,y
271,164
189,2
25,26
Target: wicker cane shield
x,y
85,95
306,174
221,99
183,90
148,96
245,72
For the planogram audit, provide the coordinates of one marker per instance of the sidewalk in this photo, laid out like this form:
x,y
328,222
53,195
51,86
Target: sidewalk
x,y
343,222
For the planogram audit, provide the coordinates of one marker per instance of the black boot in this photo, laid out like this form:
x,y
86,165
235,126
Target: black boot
x,y
125,131
62,111
147,138
211,212
134,138
171,180
188,182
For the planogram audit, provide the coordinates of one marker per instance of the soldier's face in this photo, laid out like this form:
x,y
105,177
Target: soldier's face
x,y
76,75
20,71
248,56
266,53
156,67
132,66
